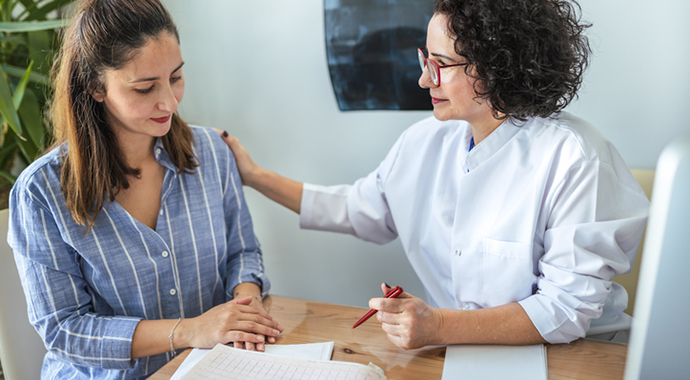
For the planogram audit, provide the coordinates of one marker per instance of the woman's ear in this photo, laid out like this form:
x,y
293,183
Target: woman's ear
x,y
97,91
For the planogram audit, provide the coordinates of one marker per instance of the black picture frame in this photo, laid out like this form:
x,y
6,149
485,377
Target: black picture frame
x,y
371,47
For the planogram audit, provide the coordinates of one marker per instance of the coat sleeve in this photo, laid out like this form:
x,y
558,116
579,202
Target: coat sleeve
x,y
593,231
360,209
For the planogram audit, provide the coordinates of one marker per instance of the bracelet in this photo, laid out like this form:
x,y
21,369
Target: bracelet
x,y
250,295
172,348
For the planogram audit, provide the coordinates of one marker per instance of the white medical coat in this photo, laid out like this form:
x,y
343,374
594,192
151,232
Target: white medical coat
x,y
543,213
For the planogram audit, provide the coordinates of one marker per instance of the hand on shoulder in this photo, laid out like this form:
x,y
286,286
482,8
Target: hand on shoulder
x,y
245,165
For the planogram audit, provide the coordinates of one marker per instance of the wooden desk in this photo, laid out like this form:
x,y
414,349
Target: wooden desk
x,y
309,321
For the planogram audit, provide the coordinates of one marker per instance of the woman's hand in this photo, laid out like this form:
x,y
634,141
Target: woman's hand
x,y
251,346
276,187
234,321
245,165
408,321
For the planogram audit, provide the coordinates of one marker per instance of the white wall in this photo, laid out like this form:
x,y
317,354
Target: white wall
x,y
637,90
258,70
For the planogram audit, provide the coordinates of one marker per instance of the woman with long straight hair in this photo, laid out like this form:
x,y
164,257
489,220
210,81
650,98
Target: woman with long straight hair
x,y
131,235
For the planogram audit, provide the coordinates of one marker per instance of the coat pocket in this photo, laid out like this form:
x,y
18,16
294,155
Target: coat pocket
x,y
507,272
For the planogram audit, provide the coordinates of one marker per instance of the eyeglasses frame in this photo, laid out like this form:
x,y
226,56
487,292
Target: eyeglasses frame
x,y
423,64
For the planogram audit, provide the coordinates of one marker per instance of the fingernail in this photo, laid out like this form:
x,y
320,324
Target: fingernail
x,y
225,133
388,286
261,338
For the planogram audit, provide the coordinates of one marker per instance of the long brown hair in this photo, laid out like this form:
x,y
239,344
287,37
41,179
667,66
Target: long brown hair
x,y
105,34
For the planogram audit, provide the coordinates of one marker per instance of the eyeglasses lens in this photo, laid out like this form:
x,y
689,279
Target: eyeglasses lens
x,y
422,59
428,64
432,67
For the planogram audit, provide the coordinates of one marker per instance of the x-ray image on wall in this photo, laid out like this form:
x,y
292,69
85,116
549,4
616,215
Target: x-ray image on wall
x,y
372,53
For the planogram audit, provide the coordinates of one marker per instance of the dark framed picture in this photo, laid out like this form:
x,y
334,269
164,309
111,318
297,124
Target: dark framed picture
x,y
372,53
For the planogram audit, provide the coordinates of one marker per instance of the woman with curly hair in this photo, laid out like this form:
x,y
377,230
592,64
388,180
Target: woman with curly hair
x,y
514,214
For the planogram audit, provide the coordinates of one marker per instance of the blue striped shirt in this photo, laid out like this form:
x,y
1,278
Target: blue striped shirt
x,y
86,293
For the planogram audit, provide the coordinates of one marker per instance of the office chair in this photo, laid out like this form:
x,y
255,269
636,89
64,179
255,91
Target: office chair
x,y
21,349
645,178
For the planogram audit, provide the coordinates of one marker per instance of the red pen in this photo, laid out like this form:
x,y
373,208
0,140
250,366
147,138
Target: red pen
x,y
391,294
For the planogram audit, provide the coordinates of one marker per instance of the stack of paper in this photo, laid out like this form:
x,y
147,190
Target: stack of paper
x,y
223,362
316,351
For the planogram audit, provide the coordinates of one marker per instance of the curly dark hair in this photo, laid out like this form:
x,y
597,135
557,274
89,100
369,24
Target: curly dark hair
x,y
528,56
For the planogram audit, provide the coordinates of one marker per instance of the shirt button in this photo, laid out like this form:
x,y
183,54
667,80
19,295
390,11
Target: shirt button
x,y
466,306
164,254
458,252
161,212
158,151
173,292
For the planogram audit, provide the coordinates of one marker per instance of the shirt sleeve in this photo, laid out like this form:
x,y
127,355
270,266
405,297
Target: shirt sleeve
x,y
593,231
58,298
360,209
245,259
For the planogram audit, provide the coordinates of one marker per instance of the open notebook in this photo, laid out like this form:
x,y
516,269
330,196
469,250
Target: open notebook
x,y
224,362
317,351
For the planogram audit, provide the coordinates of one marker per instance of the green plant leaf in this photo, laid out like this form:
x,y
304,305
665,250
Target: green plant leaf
x,y
32,26
13,39
10,149
8,176
39,48
6,11
30,114
29,3
29,6
34,77
11,4
42,12
7,153
6,104
28,149
21,87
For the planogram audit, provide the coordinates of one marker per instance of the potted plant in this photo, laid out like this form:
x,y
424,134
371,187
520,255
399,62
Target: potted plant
x,y
28,44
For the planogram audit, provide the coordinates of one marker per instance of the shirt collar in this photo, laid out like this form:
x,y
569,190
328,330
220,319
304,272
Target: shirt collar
x,y
490,145
162,156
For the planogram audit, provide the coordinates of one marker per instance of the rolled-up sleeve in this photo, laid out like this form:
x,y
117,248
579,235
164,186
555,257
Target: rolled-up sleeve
x,y
58,298
593,232
360,209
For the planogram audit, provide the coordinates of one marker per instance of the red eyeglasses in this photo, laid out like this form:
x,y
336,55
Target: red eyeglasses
x,y
433,67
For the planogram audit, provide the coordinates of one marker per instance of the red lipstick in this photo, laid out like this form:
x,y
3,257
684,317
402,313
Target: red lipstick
x,y
161,120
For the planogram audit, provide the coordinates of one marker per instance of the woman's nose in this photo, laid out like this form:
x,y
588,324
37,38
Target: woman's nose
x,y
425,79
168,102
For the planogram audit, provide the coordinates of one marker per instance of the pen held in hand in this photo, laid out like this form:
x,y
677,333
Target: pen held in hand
x,y
391,294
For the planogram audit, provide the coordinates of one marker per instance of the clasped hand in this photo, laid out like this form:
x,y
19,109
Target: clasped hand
x,y
407,320
237,321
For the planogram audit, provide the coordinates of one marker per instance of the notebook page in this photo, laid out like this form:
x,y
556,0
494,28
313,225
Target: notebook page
x,y
224,362
316,351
